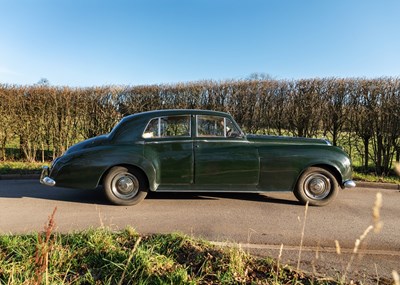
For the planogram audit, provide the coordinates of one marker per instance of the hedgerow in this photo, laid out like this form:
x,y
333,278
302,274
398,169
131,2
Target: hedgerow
x,y
361,115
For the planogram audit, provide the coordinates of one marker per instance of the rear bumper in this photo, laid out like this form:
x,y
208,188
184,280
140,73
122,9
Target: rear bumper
x,y
349,184
44,177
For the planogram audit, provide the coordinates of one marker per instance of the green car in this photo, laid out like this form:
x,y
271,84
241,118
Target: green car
x,y
199,151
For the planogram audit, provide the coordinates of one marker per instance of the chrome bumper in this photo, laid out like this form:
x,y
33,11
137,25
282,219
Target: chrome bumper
x,y
44,177
349,184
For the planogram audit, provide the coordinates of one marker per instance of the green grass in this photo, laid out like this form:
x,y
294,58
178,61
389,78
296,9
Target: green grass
x,y
105,257
19,167
370,177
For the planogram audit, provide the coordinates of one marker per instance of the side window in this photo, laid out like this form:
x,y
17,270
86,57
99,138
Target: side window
x,y
231,130
210,126
213,126
178,126
151,129
173,126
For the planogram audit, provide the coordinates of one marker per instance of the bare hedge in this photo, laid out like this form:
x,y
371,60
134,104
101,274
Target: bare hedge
x,y
361,115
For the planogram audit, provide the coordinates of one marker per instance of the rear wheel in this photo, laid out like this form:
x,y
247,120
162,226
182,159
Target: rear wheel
x,y
125,186
317,186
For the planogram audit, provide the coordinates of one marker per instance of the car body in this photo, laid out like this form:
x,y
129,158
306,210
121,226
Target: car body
x,y
199,151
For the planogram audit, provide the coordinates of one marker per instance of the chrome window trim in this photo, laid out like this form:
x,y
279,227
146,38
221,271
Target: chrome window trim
x,y
225,128
168,141
159,128
208,136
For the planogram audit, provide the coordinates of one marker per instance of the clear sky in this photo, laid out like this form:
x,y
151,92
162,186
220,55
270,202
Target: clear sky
x,y
139,42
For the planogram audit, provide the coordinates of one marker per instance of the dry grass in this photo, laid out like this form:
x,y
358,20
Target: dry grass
x,y
105,257
397,168
44,247
302,235
396,277
376,226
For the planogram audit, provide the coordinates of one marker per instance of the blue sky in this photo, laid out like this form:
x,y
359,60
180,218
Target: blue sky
x,y
139,42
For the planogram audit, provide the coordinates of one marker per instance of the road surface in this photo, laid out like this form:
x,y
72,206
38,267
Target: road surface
x,y
260,223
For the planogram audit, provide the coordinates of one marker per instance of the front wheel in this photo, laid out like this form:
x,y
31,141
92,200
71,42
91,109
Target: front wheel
x,y
123,186
317,186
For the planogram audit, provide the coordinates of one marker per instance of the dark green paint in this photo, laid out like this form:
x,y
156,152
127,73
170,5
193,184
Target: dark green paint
x,y
173,159
246,163
226,162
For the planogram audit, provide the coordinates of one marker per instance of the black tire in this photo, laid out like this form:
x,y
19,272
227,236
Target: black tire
x,y
125,186
317,186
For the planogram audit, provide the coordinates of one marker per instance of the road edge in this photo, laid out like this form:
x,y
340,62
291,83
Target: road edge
x,y
377,185
19,176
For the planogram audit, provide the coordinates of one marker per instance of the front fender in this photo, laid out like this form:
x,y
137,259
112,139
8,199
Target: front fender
x,y
282,165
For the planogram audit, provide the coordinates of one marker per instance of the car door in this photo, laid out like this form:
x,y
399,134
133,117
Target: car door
x,y
168,145
224,159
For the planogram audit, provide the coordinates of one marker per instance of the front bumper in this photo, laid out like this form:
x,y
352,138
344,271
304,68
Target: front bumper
x,y
44,177
349,184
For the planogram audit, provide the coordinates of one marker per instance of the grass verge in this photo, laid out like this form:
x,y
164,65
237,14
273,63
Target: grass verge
x,y
18,167
105,257
370,177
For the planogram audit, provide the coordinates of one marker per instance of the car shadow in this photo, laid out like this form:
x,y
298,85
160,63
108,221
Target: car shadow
x,y
253,197
96,196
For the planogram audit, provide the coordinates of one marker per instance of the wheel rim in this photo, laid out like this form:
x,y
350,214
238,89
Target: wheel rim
x,y
317,186
125,186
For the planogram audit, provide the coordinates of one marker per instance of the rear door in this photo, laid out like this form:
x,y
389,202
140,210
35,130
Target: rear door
x,y
169,146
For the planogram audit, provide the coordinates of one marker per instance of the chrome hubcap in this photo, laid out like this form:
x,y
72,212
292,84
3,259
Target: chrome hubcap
x,y
317,186
125,186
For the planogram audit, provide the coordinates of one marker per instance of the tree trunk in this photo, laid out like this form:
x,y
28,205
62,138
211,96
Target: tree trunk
x,y
378,155
366,153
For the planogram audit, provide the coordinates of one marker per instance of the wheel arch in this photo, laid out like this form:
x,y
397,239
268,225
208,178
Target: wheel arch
x,y
150,182
320,195
332,169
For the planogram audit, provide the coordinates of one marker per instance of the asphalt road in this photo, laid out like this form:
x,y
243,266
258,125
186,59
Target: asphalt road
x,y
261,223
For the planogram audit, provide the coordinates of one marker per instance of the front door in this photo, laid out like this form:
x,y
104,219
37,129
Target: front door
x,y
224,159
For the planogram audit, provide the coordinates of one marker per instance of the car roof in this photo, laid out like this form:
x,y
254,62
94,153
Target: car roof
x,y
128,126
169,112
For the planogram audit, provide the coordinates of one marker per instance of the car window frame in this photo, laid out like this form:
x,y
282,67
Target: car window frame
x,y
159,137
240,132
